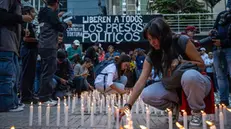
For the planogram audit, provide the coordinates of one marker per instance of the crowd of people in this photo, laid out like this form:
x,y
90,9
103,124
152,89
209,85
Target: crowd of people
x,y
175,63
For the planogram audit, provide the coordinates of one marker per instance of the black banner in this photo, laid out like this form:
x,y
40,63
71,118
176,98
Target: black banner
x,y
108,29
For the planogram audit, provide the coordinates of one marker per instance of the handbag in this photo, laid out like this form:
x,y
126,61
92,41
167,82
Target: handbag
x,y
174,81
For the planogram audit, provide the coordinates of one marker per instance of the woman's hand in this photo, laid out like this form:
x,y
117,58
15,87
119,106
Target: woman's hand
x,y
121,112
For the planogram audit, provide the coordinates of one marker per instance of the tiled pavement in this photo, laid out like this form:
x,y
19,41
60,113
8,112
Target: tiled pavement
x,y
21,120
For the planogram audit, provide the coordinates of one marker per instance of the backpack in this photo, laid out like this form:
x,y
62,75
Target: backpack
x,y
99,67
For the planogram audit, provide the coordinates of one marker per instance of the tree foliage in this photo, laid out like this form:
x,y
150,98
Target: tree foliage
x,y
175,6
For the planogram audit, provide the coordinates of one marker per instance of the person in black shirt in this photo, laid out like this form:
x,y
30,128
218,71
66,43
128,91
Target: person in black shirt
x,y
28,52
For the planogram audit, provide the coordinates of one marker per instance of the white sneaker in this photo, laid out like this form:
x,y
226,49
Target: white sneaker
x,y
50,102
16,109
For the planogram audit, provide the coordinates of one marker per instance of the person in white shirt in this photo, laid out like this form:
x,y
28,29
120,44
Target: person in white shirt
x,y
112,79
204,55
210,70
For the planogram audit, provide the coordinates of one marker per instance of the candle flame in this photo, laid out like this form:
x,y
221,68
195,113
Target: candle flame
x,y
12,127
126,126
209,123
31,103
223,105
40,103
48,105
183,111
228,109
179,125
143,127
168,110
202,112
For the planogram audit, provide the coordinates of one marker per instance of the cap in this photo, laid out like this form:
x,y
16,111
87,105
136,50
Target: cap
x,y
202,49
76,42
191,28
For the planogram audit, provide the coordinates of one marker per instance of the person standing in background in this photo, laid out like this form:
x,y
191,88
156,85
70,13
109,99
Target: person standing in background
x,y
50,26
29,52
10,37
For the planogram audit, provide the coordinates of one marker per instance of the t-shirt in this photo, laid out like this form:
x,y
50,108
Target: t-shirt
x,y
71,52
112,75
209,66
204,57
10,36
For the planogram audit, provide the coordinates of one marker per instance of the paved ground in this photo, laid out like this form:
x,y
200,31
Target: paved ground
x,y
21,120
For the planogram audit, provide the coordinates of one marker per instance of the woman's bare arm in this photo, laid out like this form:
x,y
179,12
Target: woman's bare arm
x,y
194,55
139,86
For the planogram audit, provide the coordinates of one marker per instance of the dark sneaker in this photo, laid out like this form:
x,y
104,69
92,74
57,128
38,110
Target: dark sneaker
x,y
196,119
22,105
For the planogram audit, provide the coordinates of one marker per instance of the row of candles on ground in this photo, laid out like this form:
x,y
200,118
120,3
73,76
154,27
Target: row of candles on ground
x,y
220,115
66,108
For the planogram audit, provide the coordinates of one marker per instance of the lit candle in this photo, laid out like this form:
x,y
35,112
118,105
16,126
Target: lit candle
x,y
119,101
39,114
117,118
204,120
221,119
107,104
170,119
88,104
179,125
143,127
101,107
73,105
216,113
66,115
147,117
12,127
112,103
92,115
94,105
109,118
58,115
31,114
82,115
220,108
48,115
142,106
185,119
124,101
225,114
137,107
58,100
211,125
69,102
64,100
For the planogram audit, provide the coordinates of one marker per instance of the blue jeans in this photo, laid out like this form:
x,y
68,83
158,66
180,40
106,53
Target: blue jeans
x,y
9,76
222,73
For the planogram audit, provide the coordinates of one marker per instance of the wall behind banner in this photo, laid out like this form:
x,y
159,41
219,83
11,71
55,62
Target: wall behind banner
x,y
108,29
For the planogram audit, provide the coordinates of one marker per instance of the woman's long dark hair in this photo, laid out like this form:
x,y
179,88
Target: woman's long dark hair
x,y
122,58
158,28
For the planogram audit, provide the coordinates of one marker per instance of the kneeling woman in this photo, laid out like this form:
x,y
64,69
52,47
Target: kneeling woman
x,y
163,56
111,79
